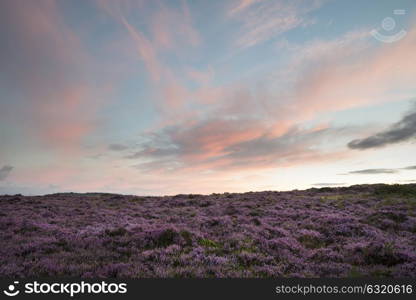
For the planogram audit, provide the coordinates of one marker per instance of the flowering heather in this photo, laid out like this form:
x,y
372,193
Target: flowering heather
x,y
366,230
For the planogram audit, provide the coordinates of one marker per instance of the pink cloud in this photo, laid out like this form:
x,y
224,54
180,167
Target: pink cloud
x,y
203,78
332,76
368,77
146,52
173,27
169,29
242,5
59,103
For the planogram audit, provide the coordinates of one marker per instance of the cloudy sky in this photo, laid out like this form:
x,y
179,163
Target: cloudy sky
x,y
165,97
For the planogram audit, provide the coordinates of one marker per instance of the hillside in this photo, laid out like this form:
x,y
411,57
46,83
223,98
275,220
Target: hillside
x,y
363,230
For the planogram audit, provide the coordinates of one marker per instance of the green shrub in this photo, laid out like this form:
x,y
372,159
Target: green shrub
x,y
400,190
116,232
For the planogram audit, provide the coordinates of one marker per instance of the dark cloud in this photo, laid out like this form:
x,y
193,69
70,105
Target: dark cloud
x,y
5,171
401,131
95,156
380,171
374,171
328,184
117,147
292,143
179,141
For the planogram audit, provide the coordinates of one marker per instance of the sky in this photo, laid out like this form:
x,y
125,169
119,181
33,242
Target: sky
x,y
165,97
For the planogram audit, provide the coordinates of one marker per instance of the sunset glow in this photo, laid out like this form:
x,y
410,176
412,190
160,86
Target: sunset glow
x,y
167,97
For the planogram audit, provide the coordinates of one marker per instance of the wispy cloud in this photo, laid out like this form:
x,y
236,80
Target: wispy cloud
x,y
328,184
183,109
257,129
5,171
374,171
146,51
264,20
240,5
381,170
174,27
48,65
339,69
402,131
169,30
117,147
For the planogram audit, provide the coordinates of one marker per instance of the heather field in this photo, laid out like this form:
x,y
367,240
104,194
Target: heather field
x,y
363,230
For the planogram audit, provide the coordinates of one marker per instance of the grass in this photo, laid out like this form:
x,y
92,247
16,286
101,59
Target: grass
x,y
207,243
